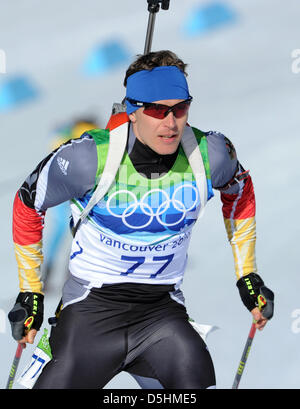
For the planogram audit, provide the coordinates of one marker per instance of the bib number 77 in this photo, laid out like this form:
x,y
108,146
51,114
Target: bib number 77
x,y
138,261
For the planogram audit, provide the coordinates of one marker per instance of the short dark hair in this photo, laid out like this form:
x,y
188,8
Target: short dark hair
x,y
154,59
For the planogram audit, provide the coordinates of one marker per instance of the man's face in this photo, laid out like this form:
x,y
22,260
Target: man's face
x,y
161,135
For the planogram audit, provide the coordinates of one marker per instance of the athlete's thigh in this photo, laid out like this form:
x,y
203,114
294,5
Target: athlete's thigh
x,y
179,359
87,350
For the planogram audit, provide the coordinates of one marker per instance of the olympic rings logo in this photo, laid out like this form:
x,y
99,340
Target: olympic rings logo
x,y
186,190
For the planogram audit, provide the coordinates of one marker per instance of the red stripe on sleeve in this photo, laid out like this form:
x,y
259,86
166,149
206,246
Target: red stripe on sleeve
x,y
27,224
242,207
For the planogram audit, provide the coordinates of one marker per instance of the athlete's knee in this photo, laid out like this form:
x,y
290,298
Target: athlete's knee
x,y
196,371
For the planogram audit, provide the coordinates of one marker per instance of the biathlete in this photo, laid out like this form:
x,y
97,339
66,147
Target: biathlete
x,y
122,307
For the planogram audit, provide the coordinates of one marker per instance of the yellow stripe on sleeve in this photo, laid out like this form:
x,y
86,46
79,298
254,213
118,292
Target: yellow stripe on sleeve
x,y
29,259
242,237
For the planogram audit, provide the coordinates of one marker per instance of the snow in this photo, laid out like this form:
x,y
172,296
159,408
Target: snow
x,y
243,84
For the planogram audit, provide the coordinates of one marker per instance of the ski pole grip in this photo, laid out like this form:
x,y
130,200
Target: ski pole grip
x,y
165,4
17,317
266,302
153,5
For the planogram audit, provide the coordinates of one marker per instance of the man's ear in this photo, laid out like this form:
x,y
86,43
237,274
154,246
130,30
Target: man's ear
x,y
132,117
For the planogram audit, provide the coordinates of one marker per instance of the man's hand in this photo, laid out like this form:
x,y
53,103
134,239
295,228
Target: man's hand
x,y
258,318
28,338
26,317
257,298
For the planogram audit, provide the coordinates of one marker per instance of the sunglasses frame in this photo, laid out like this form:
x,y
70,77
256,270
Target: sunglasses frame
x,y
146,105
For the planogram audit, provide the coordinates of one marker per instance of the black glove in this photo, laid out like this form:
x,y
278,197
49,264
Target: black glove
x,y
251,288
27,313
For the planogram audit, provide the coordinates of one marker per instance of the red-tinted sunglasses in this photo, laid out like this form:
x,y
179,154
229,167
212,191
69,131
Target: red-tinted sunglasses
x,y
160,111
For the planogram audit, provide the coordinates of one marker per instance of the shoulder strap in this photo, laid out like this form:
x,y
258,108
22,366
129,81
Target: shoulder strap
x,y
116,149
192,151
101,139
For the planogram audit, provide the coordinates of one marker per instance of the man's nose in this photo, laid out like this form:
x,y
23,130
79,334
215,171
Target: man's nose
x,y
170,120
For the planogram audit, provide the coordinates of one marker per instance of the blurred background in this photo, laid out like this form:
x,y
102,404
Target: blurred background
x,y
64,61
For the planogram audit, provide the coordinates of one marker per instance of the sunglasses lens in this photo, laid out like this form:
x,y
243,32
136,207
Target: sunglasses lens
x,y
181,109
160,111
155,111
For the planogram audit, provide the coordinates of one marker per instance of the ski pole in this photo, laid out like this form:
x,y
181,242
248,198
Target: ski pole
x,y
244,357
153,8
261,303
14,366
13,370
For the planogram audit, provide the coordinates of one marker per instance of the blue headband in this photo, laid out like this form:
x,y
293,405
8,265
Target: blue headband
x,y
167,82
